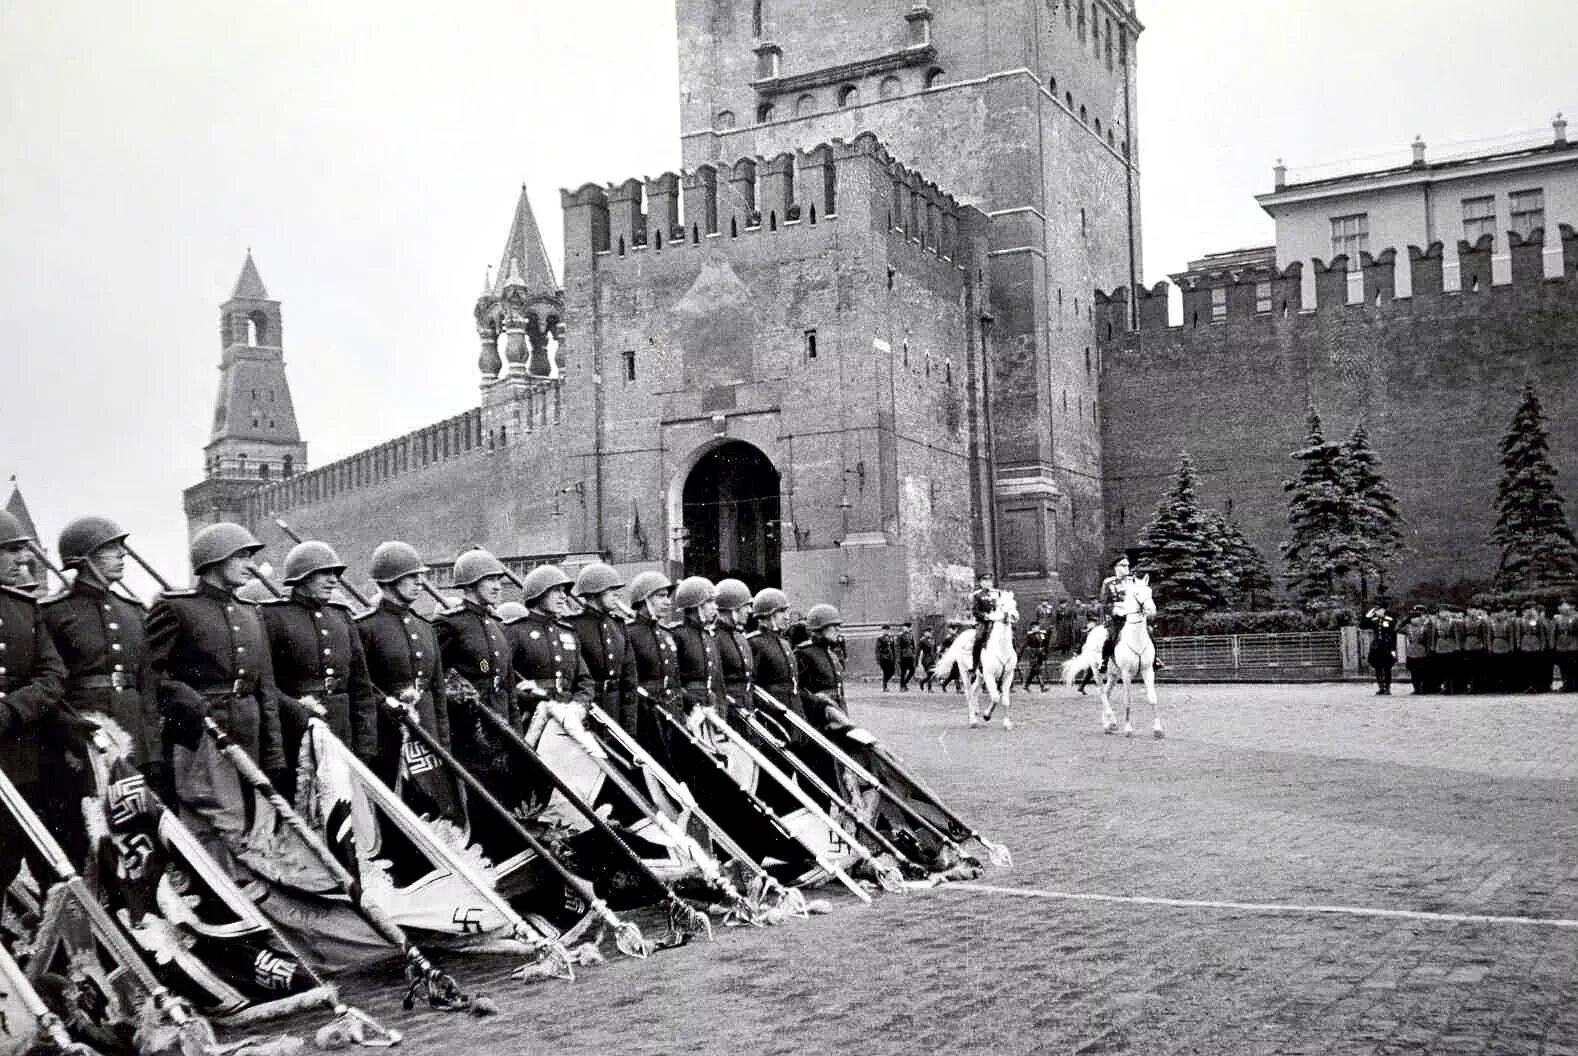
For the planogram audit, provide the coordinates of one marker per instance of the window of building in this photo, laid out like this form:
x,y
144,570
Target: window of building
x,y
810,344
725,120
1084,117
764,113
1262,297
1068,14
1106,43
1350,235
805,105
1123,46
290,465
1082,21
756,18
1528,211
1052,86
630,364
1087,361
1098,126
1218,303
1068,100
889,87
848,96
1479,217
934,76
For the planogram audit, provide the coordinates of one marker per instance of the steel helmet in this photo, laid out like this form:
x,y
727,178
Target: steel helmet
x,y
254,591
694,591
768,601
11,530
86,534
732,594
219,542
306,558
541,580
821,616
474,565
395,560
596,578
511,611
645,584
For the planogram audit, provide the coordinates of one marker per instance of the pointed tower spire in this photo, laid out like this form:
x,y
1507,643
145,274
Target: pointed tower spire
x,y
249,286
16,506
525,245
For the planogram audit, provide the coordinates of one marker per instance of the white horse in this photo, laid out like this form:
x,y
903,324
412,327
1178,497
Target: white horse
x,y
1134,654
999,660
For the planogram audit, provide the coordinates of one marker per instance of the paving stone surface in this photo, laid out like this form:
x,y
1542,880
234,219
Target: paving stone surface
x,y
1294,869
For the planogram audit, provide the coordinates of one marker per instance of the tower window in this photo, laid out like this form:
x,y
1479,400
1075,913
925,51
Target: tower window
x,y
1262,297
805,105
1528,211
630,364
290,465
1098,126
1083,116
1052,86
724,121
934,77
756,18
1087,361
1082,21
764,113
1479,217
810,344
1218,303
263,470
848,96
1068,100
889,87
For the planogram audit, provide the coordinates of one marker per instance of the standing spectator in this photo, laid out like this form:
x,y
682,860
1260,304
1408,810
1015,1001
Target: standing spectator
x,y
906,656
926,656
1383,647
1420,633
1564,634
1503,637
1474,661
1533,648
887,655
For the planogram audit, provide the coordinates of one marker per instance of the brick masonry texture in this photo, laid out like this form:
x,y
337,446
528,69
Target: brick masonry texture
x,y
1434,377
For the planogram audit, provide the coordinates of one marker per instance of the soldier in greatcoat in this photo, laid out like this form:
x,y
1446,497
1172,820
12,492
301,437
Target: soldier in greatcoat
x,y
735,657
601,628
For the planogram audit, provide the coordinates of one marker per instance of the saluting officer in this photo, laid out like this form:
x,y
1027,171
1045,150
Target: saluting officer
x,y
318,654
822,671
605,647
777,671
210,659
1382,654
402,653
544,652
32,684
695,638
738,662
99,634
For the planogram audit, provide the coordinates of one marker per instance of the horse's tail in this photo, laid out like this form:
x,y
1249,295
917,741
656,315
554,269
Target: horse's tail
x,y
957,653
1089,657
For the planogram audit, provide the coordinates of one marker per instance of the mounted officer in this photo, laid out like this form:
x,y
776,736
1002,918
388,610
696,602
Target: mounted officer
x,y
982,604
544,652
1108,599
822,672
600,627
401,649
738,662
32,685
100,635
210,658
319,663
696,640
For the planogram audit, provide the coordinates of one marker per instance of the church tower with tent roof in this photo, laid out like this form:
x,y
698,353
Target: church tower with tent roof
x,y
254,436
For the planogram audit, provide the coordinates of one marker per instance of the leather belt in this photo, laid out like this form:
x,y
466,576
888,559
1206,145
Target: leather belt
x,y
238,688
328,686
117,680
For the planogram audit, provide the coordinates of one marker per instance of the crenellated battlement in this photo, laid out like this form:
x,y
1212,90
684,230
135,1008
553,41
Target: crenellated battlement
x,y
755,195
1261,293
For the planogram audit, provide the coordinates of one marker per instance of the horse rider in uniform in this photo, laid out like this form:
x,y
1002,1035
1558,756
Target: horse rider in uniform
x,y
210,659
401,648
475,653
737,659
1109,598
656,658
100,637
318,657
822,672
601,629
32,686
982,604
696,640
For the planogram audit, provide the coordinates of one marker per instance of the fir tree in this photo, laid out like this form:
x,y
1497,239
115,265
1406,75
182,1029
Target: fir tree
x,y
1316,553
1180,549
1537,546
1244,579
1373,526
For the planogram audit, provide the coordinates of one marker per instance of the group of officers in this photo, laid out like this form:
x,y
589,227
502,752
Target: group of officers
x,y
1476,650
260,670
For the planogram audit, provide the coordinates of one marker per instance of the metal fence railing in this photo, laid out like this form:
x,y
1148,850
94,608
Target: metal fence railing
x,y
1313,656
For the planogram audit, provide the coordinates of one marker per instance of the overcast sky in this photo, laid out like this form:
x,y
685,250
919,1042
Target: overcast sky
x,y
370,155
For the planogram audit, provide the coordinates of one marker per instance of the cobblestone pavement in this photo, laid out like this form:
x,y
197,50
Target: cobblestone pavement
x,y
1166,896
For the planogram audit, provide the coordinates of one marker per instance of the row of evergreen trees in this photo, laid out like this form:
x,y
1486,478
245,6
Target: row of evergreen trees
x,y
1346,531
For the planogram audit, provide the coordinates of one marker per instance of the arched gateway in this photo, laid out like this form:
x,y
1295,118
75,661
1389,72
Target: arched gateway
x,y
729,510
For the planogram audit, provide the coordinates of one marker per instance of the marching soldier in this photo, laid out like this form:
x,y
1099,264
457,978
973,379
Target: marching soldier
x,y
210,660
1564,639
1474,660
401,650
906,656
696,640
1420,634
886,658
1382,654
822,672
1035,655
601,629
318,656
736,659
32,685
544,652
1108,599
926,658
656,658
777,671
99,634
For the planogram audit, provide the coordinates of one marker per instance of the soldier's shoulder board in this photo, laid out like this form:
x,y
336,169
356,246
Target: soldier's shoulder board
x,y
186,592
753,634
268,601
21,594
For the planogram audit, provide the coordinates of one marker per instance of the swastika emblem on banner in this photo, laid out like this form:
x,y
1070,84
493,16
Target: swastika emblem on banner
x,y
417,759
272,972
128,798
470,920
